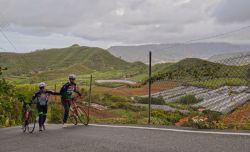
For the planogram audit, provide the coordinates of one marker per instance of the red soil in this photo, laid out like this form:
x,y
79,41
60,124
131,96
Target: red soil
x,y
182,121
239,117
99,113
126,91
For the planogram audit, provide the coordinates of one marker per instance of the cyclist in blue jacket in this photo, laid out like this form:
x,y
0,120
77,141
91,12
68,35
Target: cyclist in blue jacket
x,y
41,98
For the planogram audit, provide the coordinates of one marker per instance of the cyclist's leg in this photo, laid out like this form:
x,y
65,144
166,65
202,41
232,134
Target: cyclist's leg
x,y
66,106
23,112
45,109
40,114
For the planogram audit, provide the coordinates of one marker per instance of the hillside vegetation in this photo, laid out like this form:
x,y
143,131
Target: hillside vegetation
x,y
55,63
197,70
240,58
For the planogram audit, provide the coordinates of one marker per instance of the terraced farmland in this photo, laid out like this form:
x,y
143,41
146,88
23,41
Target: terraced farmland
x,y
224,99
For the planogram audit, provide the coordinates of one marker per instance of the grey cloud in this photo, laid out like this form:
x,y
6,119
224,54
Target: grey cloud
x,y
233,11
149,18
114,21
56,13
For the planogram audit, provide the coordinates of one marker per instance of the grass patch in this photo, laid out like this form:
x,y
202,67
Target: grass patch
x,y
109,85
216,83
161,117
184,103
156,101
178,105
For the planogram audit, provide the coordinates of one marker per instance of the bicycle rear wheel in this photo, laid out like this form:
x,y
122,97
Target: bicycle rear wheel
x,y
82,115
31,122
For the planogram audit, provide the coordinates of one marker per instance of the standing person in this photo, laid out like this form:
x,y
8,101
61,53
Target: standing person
x,y
41,96
66,96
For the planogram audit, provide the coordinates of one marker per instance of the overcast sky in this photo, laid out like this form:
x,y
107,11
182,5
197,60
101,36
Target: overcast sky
x,y
37,24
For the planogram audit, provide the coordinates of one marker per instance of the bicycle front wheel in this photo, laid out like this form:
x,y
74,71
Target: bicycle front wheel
x,y
31,122
72,119
82,115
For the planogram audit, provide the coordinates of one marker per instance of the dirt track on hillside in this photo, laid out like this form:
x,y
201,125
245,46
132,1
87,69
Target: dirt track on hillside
x,y
126,91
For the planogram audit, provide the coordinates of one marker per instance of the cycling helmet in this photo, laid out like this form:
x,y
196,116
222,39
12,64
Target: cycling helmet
x,y
72,76
41,85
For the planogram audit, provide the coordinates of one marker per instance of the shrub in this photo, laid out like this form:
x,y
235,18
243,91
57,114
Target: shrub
x,y
166,117
116,102
202,125
212,115
189,99
10,107
156,101
206,120
125,106
246,127
220,125
55,113
118,99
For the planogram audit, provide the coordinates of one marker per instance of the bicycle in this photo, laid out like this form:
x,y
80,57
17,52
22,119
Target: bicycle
x,y
77,113
29,119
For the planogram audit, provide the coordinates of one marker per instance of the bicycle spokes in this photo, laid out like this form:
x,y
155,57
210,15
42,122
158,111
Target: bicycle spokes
x,y
82,115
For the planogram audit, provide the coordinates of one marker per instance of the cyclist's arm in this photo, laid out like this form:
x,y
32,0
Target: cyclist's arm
x,y
76,91
64,88
33,98
53,92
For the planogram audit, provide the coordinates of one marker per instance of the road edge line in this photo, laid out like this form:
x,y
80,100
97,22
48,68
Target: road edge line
x,y
173,130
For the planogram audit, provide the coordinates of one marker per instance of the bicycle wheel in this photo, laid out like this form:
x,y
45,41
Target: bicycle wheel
x,y
31,122
72,119
25,125
82,115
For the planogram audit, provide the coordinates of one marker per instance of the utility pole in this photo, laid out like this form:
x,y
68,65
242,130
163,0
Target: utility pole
x,y
90,90
55,91
149,87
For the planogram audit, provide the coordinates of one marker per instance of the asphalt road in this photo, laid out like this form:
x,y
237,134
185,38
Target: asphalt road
x,y
108,139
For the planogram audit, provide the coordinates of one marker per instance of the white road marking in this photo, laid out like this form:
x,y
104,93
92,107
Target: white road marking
x,y
152,128
174,130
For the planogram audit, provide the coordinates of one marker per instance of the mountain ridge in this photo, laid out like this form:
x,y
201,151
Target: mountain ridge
x,y
73,59
239,58
175,52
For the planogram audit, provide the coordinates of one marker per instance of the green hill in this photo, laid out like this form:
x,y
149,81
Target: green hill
x,y
55,63
192,69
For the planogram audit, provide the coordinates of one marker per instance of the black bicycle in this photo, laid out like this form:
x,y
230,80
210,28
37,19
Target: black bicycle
x,y
29,119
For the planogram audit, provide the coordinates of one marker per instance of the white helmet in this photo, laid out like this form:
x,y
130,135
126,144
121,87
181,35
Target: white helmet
x,y
72,76
41,85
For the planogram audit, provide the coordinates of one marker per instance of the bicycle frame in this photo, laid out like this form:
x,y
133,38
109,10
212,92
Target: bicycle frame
x,y
26,114
73,107
77,111
27,122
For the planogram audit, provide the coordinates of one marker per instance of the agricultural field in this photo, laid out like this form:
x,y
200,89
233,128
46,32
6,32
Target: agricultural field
x,y
239,119
127,91
224,99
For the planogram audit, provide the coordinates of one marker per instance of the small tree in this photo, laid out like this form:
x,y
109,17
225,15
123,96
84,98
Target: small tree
x,y
188,99
248,76
1,69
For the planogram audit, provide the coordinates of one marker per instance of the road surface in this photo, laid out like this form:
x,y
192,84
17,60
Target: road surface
x,y
121,138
